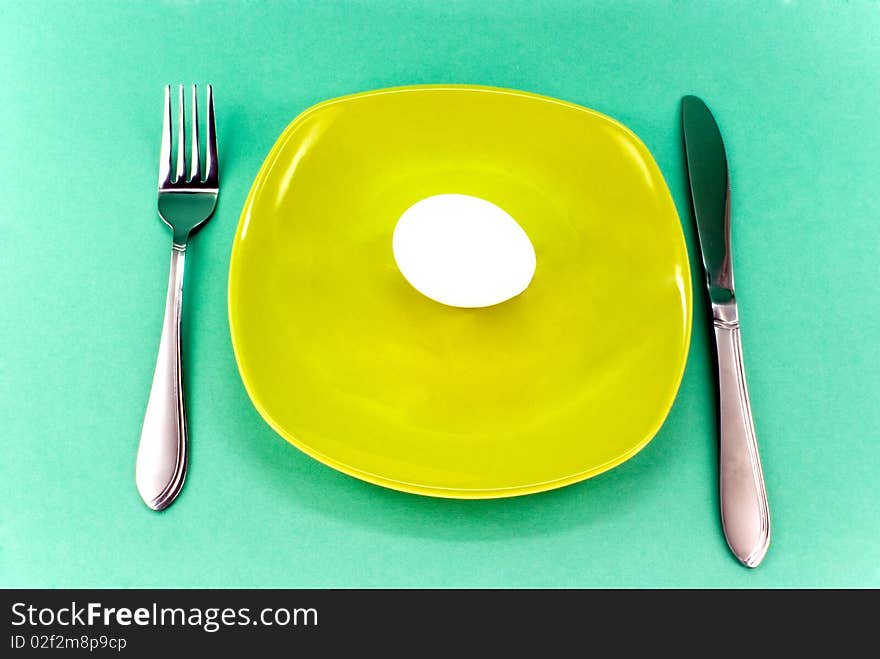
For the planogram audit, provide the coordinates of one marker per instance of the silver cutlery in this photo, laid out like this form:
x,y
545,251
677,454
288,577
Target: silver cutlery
x,y
184,205
745,515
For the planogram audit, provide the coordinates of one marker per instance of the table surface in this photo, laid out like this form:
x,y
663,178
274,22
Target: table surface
x,y
795,87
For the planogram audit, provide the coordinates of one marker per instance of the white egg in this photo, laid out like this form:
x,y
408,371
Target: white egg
x,y
463,251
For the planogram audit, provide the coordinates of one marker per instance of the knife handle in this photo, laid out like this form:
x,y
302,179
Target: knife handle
x,y
745,514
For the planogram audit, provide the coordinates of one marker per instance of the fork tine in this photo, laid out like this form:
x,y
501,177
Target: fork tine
x,y
181,137
195,172
165,151
211,174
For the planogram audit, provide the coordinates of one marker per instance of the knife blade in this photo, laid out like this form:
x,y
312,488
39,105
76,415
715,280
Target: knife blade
x,y
745,513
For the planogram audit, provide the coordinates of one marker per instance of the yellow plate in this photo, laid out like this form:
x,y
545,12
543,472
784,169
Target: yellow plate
x,y
348,362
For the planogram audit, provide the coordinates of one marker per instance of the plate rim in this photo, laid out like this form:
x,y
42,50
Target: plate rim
x,y
430,490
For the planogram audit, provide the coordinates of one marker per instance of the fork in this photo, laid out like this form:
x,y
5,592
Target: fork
x,y
184,205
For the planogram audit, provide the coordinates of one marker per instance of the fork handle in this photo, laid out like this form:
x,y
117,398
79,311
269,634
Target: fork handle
x,y
161,458
745,514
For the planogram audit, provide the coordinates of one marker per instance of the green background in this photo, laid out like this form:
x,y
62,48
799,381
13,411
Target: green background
x,y
795,87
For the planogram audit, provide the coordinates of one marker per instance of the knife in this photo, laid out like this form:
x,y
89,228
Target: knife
x,y
745,514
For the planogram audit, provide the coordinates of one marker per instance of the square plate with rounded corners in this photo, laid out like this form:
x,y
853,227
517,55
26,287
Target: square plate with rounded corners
x,y
344,359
